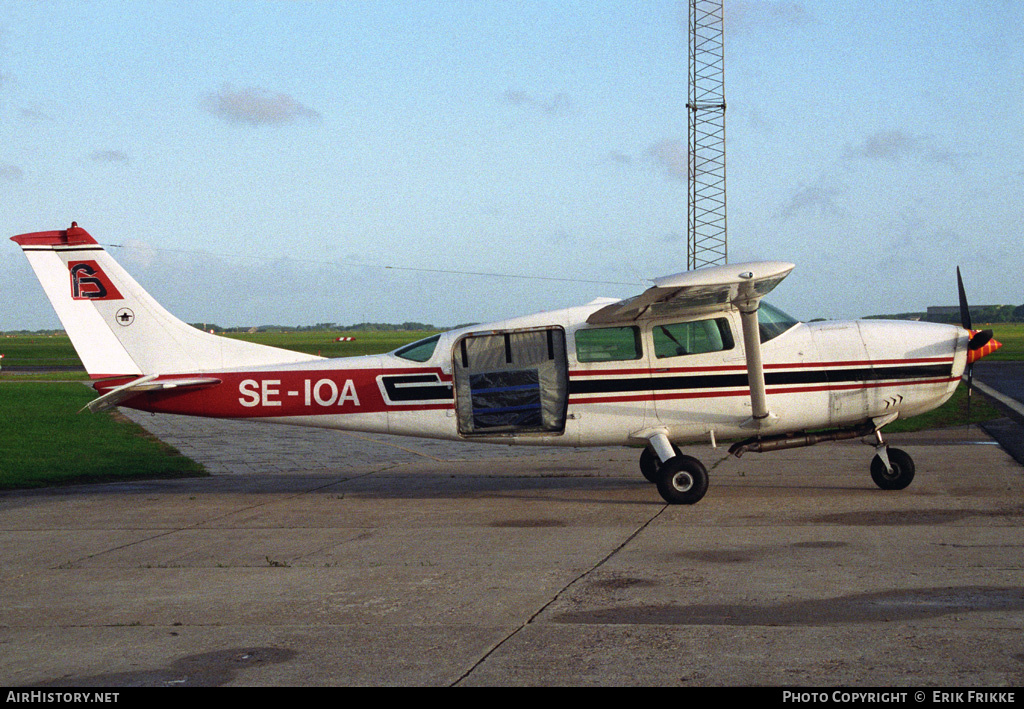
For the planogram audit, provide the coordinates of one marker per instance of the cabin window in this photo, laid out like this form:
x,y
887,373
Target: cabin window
x,y
689,338
772,322
419,351
608,344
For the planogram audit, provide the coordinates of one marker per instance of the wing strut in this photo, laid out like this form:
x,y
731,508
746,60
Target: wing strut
x,y
755,369
747,301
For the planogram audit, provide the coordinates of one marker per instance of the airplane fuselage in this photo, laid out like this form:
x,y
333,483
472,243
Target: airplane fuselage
x,y
552,379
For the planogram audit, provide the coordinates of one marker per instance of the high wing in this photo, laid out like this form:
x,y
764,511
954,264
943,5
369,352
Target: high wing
x,y
740,285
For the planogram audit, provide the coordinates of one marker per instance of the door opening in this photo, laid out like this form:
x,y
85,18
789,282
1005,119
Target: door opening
x,y
511,382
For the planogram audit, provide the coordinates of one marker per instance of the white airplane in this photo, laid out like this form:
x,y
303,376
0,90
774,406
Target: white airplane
x,y
699,356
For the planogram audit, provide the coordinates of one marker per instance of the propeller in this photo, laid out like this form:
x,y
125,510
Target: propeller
x,y
979,339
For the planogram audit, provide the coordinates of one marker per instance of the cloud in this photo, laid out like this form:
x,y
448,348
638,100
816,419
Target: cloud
x,y
889,145
894,145
819,198
619,157
11,173
256,106
883,146
34,114
752,15
109,156
557,105
671,155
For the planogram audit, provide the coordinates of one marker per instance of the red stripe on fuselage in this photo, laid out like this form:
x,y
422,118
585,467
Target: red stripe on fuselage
x,y
272,394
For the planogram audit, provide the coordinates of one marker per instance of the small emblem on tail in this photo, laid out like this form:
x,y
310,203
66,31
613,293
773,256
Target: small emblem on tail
x,y
89,282
125,317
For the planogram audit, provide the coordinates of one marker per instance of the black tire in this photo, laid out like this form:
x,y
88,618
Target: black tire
x,y
682,480
649,463
902,470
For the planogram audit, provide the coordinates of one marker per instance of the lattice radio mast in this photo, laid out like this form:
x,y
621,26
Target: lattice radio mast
x,y
706,233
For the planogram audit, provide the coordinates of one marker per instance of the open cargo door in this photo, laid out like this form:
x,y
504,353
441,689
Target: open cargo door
x,y
511,382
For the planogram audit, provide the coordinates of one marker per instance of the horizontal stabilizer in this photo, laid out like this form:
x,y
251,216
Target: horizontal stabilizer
x,y
148,383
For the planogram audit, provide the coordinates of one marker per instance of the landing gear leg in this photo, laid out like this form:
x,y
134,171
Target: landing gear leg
x,y
649,462
891,468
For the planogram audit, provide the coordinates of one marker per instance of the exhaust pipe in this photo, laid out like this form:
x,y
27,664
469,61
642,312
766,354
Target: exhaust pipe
x,y
781,442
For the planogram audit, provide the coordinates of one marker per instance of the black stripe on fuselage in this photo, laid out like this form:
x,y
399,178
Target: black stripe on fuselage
x,y
724,381
408,388
411,388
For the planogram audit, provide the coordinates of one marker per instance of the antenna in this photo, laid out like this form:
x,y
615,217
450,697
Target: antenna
x,y
706,233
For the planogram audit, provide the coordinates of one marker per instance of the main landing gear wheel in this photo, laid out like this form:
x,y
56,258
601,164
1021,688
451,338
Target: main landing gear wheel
x,y
649,463
682,480
899,477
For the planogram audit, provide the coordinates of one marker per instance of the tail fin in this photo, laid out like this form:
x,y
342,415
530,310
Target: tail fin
x,y
116,327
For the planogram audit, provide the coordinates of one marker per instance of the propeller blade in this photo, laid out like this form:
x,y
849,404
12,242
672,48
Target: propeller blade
x,y
965,312
980,339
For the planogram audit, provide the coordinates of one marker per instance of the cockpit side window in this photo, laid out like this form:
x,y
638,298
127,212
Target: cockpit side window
x,y
689,338
773,322
419,351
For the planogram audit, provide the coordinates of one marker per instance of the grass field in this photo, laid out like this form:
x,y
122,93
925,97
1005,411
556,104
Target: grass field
x,y
45,441
56,350
324,344
1011,334
38,351
952,413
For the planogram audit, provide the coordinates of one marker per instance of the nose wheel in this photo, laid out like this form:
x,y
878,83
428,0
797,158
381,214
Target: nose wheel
x,y
892,468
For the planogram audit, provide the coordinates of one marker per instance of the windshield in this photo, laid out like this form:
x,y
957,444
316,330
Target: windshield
x,y
773,322
419,351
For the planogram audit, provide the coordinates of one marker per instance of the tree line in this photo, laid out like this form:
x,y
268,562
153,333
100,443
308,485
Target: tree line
x,y
330,327
979,314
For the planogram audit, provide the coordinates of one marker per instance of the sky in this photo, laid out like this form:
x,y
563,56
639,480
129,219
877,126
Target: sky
x,y
300,162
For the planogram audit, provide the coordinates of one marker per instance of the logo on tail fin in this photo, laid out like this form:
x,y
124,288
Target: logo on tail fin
x,y
89,282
